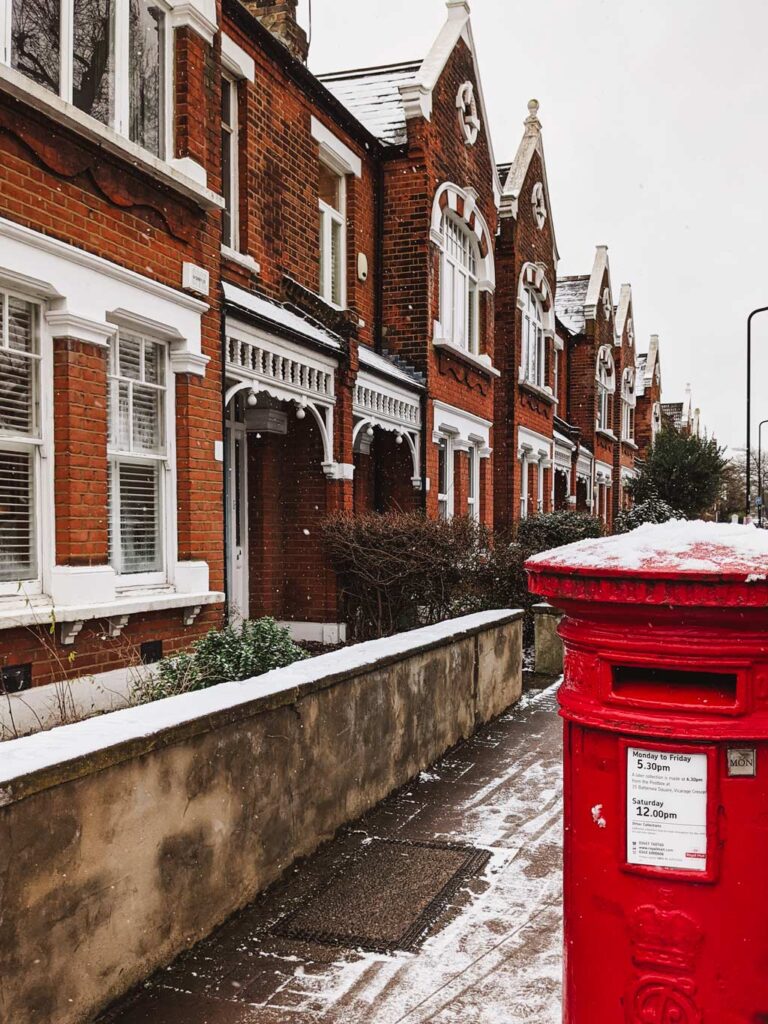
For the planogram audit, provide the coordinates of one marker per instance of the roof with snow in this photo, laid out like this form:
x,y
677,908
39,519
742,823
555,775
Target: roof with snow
x,y
387,365
569,302
279,317
373,96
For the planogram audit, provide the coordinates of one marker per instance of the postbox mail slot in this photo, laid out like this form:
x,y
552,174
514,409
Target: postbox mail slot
x,y
663,687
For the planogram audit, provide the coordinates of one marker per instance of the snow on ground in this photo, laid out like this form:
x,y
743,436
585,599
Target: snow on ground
x,y
499,960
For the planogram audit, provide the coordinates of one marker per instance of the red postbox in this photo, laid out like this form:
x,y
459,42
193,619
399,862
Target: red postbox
x,y
665,701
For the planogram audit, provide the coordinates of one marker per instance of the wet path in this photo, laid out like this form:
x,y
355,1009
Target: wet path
x,y
492,948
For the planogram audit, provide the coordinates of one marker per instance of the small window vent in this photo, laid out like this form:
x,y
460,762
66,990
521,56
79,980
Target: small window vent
x,y
151,652
15,678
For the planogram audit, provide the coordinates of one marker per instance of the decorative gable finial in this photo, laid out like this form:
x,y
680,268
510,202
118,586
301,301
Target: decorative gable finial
x,y
532,121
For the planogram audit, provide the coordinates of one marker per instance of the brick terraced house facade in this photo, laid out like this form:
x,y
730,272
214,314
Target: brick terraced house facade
x,y
236,297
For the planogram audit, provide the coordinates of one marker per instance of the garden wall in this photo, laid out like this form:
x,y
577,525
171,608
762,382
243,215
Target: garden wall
x,y
128,837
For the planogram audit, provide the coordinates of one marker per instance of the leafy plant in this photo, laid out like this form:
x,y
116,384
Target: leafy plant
x,y
652,510
224,655
685,471
553,529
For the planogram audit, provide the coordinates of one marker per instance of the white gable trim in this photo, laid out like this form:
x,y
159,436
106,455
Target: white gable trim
x,y
530,143
622,313
338,152
593,303
417,95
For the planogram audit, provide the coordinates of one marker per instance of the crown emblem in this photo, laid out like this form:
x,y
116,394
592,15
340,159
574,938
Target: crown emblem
x,y
665,938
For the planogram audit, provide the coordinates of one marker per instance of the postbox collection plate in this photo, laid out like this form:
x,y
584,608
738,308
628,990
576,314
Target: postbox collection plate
x,y
670,809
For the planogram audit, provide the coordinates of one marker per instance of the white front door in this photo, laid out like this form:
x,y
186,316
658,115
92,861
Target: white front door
x,y
237,526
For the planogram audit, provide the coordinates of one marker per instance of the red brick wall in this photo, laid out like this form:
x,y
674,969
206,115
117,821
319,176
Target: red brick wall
x,y
81,481
94,651
62,185
521,241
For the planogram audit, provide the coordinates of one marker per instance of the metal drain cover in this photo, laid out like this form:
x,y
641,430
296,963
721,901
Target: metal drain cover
x,y
386,897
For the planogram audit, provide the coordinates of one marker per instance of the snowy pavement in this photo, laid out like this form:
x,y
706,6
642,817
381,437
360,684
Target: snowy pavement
x,y
492,955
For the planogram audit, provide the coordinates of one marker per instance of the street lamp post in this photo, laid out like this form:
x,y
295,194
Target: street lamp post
x,y
760,471
762,309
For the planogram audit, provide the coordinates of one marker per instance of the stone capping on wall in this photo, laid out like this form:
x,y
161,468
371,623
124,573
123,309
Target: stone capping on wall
x,y
35,763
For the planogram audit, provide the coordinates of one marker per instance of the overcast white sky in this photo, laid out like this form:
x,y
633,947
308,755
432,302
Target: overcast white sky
x,y
654,115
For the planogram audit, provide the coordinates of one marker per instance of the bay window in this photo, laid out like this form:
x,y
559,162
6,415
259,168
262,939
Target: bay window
x,y
533,343
137,456
109,58
20,439
332,201
458,287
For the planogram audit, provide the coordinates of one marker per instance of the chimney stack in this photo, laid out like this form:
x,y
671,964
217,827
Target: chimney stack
x,y
279,16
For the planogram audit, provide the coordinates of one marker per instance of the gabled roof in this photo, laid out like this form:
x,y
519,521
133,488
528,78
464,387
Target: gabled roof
x,y
569,302
373,96
513,175
593,301
622,310
647,363
391,96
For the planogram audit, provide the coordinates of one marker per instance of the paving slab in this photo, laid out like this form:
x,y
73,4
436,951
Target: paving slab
x,y
489,951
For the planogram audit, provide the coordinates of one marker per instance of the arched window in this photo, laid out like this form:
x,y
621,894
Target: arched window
x,y
534,352
458,286
605,378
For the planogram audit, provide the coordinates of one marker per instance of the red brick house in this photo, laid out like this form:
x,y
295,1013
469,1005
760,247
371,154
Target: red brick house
x,y
585,308
440,192
236,297
648,412
528,349
624,411
110,372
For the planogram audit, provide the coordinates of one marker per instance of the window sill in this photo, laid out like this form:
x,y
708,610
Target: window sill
x,y
241,259
629,443
41,612
607,434
540,392
68,116
482,363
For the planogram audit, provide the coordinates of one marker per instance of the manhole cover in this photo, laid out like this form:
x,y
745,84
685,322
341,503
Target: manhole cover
x,y
386,898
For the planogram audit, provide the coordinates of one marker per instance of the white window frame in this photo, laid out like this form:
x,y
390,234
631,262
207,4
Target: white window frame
x,y
605,385
524,485
445,497
120,121
328,218
38,447
166,480
473,483
459,291
229,82
627,421
534,342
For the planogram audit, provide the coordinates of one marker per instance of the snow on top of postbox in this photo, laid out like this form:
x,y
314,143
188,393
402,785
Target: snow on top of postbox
x,y
677,547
